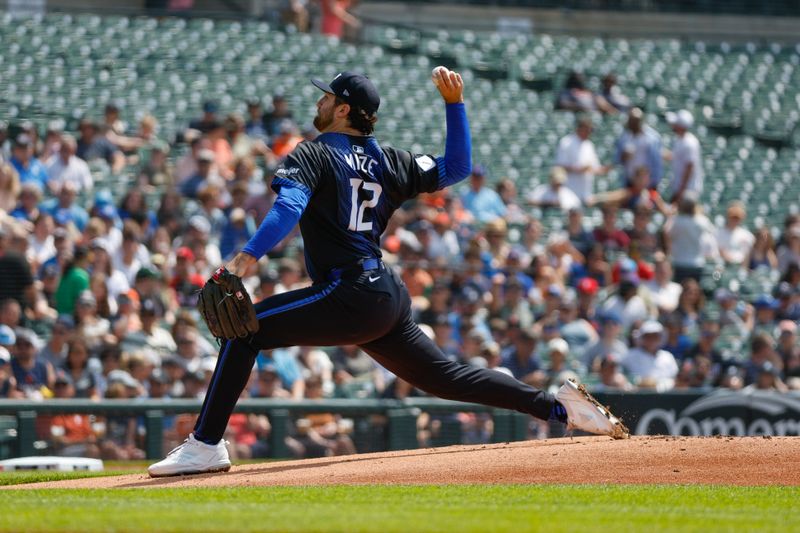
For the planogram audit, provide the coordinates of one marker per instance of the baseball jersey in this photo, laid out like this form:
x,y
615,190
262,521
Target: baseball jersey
x,y
354,185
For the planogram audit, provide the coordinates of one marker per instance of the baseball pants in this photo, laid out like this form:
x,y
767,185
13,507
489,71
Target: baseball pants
x,y
371,310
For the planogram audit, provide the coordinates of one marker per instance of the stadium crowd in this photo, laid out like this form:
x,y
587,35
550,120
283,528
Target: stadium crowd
x,y
97,290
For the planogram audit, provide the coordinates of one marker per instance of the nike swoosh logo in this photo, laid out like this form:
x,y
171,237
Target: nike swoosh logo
x,y
371,279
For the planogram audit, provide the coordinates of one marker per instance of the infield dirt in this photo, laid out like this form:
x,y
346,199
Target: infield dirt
x,y
669,460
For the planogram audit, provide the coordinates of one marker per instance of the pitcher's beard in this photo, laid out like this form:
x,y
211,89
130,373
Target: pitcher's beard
x,y
322,122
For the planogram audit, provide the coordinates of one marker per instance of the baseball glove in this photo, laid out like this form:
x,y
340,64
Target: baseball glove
x,y
226,307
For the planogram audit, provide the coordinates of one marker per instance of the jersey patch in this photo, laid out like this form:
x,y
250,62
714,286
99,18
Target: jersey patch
x,y
425,163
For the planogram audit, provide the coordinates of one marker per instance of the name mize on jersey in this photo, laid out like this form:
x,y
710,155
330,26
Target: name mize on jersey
x,y
361,163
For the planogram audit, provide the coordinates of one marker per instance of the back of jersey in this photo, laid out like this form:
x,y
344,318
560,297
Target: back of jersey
x,y
354,186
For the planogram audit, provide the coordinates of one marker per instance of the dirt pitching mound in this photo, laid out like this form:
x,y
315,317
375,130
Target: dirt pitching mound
x,y
709,460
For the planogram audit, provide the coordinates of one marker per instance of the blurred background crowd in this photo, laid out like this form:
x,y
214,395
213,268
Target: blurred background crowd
x,y
98,284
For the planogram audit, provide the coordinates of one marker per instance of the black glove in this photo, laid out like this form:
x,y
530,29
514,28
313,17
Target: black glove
x,y
226,307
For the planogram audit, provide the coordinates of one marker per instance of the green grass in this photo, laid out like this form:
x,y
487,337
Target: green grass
x,y
35,476
405,509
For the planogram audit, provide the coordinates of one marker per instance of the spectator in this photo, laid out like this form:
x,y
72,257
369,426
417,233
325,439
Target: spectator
x,y
40,241
579,236
521,357
71,435
119,441
768,378
515,213
762,253
205,175
765,307
443,336
690,239
611,378
28,167
664,292
93,328
208,120
186,281
609,343
315,362
734,315
676,341
554,194
575,96
639,146
645,242
608,234
336,21
577,331
16,280
64,209
8,384
560,364
93,145
612,94
627,303
67,167
787,298
28,206
761,353
10,187
74,281
34,376
55,351
291,373
268,384
651,366
353,368
687,161
483,203
634,196
735,242
77,368
576,154
279,113
691,302
254,124
509,301
789,252
152,335
285,139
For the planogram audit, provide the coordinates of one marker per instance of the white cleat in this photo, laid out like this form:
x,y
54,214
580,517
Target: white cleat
x,y
586,414
193,457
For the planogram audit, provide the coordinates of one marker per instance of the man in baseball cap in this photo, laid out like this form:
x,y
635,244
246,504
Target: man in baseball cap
x,y
355,90
687,160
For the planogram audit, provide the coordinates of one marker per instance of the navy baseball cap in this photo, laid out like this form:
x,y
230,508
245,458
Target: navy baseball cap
x,y
355,89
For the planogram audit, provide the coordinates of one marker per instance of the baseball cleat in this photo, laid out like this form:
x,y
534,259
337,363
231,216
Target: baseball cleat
x,y
193,457
586,414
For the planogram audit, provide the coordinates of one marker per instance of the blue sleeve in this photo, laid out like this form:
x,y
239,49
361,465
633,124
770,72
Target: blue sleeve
x,y
280,220
457,161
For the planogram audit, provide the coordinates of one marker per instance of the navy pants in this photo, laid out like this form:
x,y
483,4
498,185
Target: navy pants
x,y
371,310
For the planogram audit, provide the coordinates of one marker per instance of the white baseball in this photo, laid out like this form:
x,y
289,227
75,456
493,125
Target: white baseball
x,y
438,73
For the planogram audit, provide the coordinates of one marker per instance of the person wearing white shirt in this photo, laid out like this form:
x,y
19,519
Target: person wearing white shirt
x,y
576,154
554,193
664,292
735,242
649,365
67,167
687,162
691,239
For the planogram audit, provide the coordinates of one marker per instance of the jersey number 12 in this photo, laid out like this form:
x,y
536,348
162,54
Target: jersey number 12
x,y
357,209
